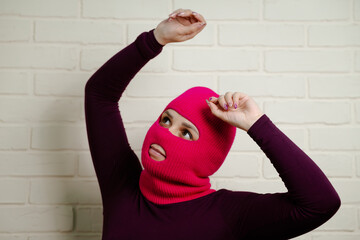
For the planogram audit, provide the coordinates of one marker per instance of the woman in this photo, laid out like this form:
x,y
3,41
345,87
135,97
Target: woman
x,y
171,198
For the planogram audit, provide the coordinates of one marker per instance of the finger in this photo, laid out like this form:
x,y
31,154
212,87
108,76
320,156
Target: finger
x,y
240,98
228,99
192,29
199,17
214,109
174,13
185,13
213,99
196,30
194,16
222,102
236,97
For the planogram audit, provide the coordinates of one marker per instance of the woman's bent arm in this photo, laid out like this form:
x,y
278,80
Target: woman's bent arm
x,y
311,200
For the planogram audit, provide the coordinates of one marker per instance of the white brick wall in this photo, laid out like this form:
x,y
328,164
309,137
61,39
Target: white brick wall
x,y
299,59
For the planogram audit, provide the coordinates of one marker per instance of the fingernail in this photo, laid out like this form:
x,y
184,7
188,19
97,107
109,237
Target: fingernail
x,y
235,105
210,98
182,13
173,15
225,106
195,13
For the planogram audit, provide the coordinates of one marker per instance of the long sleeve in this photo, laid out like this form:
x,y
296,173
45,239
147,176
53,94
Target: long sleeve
x,y
310,201
114,161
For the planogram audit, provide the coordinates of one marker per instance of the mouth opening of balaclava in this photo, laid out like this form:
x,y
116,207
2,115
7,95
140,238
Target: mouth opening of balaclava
x,y
184,174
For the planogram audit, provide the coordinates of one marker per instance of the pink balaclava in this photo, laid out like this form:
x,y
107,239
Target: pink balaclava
x,y
184,174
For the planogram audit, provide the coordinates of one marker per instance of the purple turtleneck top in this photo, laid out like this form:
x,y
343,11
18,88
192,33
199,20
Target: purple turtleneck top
x,y
309,202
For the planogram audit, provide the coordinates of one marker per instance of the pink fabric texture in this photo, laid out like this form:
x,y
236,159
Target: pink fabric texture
x,y
184,174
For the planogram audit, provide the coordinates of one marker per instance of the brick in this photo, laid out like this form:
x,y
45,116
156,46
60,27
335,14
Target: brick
x,y
305,236
215,60
35,219
356,10
335,138
14,190
346,190
307,61
243,142
261,35
89,219
67,137
337,236
329,86
86,167
37,164
357,61
78,236
258,186
358,165
40,8
23,56
14,83
33,109
334,165
334,35
271,86
14,138
76,31
212,182
343,220
216,10
13,237
60,84
138,154
308,112
269,171
93,58
15,30
64,191
307,10
136,135
147,110
155,85
357,111
205,38
239,165
123,10
135,29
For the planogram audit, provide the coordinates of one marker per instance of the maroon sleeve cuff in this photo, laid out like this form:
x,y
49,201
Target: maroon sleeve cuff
x,y
147,44
261,127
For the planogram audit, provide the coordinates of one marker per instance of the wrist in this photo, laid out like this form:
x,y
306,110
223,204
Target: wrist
x,y
158,38
253,121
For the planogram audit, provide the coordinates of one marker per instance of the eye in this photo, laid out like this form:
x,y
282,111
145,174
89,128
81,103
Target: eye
x,y
186,132
165,120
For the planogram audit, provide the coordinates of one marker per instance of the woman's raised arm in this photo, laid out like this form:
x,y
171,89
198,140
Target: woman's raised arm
x,y
114,161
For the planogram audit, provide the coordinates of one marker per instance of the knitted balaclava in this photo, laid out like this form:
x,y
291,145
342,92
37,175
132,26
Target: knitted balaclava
x,y
184,174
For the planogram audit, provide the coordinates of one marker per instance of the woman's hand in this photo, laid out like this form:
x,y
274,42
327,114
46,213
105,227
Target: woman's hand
x,y
182,24
237,109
